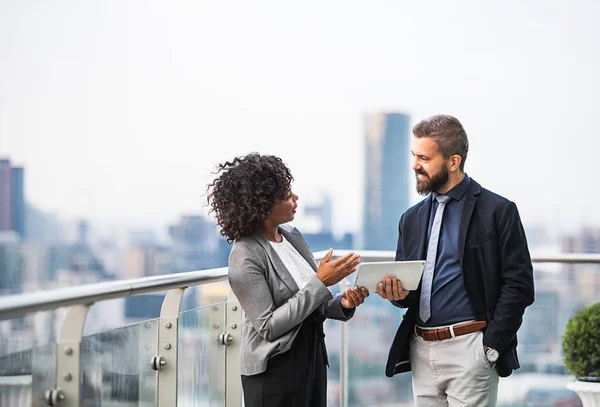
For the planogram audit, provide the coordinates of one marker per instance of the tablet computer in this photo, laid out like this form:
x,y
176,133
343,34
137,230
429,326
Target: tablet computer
x,y
408,272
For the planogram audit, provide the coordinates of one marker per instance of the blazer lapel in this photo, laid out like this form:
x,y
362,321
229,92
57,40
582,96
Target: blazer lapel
x,y
278,265
297,240
465,219
423,218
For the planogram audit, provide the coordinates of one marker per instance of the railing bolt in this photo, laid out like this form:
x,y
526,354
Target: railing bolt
x,y
225,338
158,362
215,307
54,397
168,325
216,326
68,350
233,326
167,346
234,308
67,377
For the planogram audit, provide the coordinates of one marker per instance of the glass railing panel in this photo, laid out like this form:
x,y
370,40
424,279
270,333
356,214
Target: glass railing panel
x,y
16,379
116,369
15,391
27,358
201,375
369,335
561,290
16,364
333,341
43,367
30,331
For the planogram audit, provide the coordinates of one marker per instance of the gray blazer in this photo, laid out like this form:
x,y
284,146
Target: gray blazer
x,y
273,304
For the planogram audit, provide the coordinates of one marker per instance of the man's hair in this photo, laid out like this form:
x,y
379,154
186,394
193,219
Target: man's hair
x,y
448,133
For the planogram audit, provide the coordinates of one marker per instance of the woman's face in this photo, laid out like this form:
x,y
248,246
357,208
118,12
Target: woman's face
x,y
284,211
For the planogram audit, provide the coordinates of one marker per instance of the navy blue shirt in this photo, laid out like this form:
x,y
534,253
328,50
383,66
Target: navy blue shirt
x,y
449,300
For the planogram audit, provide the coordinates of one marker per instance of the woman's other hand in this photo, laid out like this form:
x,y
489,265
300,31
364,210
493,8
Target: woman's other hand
x,y
354,296
333,272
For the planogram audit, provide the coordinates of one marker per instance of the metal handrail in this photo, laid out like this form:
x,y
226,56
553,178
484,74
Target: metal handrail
x,y
568,258
14,306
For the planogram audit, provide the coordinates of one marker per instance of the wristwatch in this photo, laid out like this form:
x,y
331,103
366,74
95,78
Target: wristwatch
x,y
491,354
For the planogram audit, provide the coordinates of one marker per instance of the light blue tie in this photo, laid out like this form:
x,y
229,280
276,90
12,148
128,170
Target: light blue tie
x,y
425,303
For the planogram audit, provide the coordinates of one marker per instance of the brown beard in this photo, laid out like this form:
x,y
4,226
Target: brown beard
x,y
431,184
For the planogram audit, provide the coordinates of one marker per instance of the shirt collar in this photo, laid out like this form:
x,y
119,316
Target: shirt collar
x,y
459,189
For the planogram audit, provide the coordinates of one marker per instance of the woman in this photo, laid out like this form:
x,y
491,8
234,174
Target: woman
x,y
278,284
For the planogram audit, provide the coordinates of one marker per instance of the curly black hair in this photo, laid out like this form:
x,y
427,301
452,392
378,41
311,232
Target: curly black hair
x,y
243,194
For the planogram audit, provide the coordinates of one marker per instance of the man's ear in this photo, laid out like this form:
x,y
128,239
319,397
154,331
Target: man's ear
x,y
455,161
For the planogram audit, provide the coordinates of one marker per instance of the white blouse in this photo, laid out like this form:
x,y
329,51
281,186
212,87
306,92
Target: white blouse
x,y
298,267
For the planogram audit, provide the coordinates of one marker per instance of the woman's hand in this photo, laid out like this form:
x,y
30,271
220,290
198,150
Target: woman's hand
x,y
353,297
331,273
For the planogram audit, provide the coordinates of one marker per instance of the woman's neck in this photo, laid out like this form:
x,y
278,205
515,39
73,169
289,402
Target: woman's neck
x,y
271,232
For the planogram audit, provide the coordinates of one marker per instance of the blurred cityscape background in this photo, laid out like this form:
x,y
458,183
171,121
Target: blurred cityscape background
x,y
113,117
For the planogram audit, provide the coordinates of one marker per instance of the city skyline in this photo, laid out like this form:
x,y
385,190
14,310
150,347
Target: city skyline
x,y
120,114
114,115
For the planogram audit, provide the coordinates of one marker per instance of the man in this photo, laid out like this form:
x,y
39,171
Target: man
x,y
460,330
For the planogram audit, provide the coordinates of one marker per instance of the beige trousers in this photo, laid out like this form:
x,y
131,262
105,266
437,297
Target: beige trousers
x,y
452,372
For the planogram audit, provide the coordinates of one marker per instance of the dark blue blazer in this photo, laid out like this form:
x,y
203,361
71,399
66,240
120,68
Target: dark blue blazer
x,y
497,272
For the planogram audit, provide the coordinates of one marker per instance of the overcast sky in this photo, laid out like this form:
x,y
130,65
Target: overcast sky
x,y
120,110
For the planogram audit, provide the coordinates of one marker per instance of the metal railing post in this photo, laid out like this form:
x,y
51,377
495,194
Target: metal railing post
x,y
344,365
233,379
219,337
166,361
68,359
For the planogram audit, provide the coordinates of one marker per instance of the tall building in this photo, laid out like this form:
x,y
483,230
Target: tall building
x,y
194,231
12,201
11,269
586,277
144,261
83,232
387,167
17,213
586,241
196,245
5,200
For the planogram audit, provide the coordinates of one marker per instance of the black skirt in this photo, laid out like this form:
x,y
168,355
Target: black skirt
x,y
296,378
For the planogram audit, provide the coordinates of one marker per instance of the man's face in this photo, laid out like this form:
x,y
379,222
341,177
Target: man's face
x,y
429,165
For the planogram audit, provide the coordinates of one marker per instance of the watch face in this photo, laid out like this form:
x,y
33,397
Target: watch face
x,y
492,355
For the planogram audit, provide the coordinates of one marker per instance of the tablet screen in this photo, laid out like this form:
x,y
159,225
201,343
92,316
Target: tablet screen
x,y
408,272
